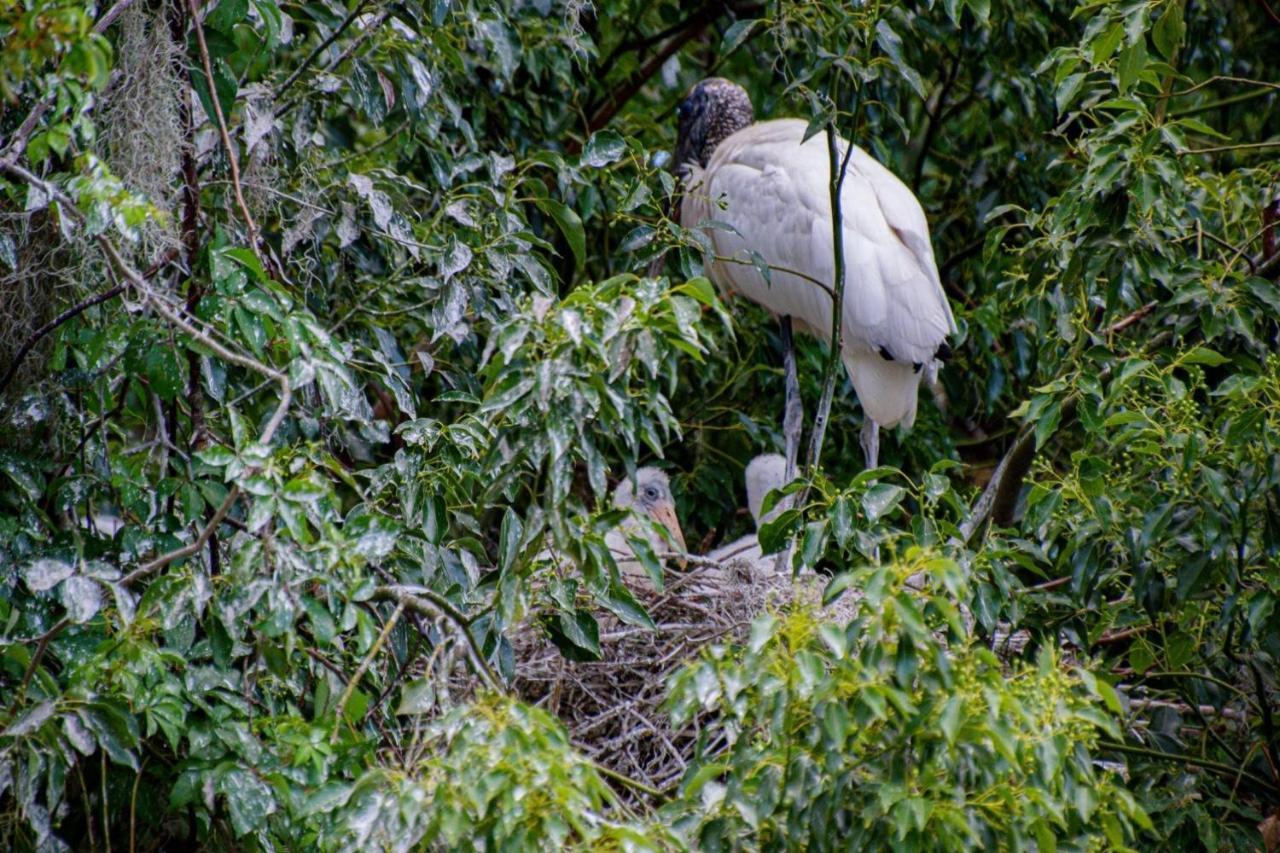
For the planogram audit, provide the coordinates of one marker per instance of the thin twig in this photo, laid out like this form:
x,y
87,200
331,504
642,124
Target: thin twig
x,y
1183,707
1121,635
1129,320
371,28
41,646
603,111
187,550
1216,766
70,313
933,123
1240,146
1231,101
321,48
133,807
1223,78
222,126
363,668
826,288
627,781
110,16
44,330
839,167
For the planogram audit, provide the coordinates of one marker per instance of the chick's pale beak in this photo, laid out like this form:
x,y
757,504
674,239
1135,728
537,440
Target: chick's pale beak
x,y
665,514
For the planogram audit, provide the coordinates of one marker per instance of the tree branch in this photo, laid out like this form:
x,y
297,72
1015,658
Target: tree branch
x,y
321,48
72,312
222,127
422,600
1239,146
44,330
175,316
934,122
1218,767
1127,321
603,111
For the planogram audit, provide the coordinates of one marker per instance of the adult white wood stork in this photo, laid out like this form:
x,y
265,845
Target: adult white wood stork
x,y
772,188
764,474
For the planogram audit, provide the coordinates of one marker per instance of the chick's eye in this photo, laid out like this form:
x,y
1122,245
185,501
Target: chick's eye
x,y
650,492
684,109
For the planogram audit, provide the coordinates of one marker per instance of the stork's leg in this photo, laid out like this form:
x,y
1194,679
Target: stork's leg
x,y
871,448
871,442
792,422
793,413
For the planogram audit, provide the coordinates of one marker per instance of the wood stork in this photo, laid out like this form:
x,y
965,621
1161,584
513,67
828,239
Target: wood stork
x,y
650,495
764,474
772,188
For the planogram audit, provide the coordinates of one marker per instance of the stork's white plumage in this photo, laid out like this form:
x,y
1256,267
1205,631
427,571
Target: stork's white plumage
x,y
772,187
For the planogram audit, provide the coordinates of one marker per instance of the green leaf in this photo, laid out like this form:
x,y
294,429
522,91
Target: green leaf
x,y
981,9
576,634
648,559
813,543
418,697
1204,355
842,520
1067,91
880,499
891,44
738,32
226,15
509,539
322,622
1169,30
570,225
949,719
163,372
1133,59
603,148
1047,422
1105,45
624,605
44,575
774,534
224,83
700,289
249,800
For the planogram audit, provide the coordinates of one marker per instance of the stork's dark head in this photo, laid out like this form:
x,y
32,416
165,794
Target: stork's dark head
x,y
713,110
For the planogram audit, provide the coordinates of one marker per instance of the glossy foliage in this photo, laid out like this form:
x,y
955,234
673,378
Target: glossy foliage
x,y
358,311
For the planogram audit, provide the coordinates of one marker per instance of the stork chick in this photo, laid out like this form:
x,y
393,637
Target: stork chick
x,y
649,494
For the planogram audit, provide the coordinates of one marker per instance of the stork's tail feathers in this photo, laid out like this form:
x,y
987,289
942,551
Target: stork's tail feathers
x,y
887,390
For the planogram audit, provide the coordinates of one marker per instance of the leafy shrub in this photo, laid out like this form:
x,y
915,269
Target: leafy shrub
x,y
898,729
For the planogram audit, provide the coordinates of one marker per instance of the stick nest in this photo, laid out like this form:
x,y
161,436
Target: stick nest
x,y
612,708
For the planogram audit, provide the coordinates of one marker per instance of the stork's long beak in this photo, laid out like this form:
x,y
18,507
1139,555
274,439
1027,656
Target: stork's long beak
x,y
665,514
